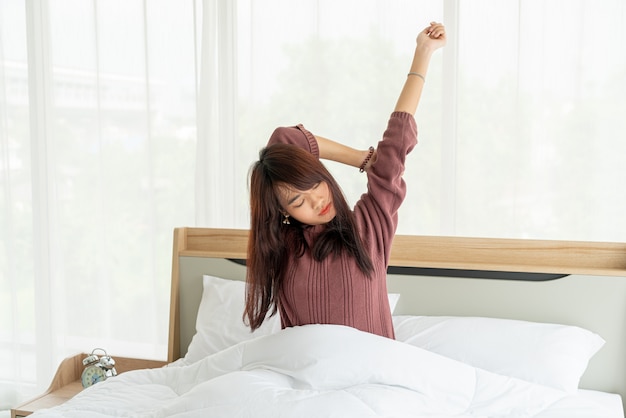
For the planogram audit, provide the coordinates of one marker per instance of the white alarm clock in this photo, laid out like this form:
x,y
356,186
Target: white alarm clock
x,y
97,368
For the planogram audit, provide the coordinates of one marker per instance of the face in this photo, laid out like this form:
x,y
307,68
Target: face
x,y
311,207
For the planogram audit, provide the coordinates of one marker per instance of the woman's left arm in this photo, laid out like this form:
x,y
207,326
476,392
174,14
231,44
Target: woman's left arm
x,y
429,40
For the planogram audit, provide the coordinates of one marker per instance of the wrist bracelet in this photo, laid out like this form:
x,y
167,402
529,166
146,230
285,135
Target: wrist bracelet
x,y
366,160
418,75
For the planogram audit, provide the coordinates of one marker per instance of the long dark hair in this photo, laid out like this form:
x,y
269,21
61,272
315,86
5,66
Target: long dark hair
x,y
271,243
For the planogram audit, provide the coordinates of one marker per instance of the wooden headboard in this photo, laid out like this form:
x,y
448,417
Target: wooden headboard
x,y
565,282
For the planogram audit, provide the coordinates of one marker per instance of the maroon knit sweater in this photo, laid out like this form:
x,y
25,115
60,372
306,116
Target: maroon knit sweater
x,y
335,291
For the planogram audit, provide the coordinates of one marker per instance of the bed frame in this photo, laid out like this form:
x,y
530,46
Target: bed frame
x,y
565,282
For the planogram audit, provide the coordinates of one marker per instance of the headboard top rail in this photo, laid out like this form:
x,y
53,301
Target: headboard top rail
x,y
491,254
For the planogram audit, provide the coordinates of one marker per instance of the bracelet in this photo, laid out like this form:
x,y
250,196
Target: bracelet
x,y
366,160
418,75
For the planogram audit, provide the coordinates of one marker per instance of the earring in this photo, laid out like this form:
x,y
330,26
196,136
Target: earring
x,y
286,219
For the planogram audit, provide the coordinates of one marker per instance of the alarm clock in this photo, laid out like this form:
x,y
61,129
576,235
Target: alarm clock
x,y
97,369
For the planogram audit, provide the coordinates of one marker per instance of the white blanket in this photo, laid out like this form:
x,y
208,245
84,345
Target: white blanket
x,y
313,371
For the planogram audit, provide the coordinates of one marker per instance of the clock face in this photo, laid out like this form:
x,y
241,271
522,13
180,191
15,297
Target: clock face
x,y
92,374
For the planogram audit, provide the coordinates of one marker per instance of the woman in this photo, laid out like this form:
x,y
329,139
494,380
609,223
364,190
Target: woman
x,y
310,257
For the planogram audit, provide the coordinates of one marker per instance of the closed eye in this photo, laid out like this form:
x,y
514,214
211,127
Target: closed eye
x,y
293,200
298,196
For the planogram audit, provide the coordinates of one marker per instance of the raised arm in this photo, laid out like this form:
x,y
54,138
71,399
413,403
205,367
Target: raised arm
x,y
428,41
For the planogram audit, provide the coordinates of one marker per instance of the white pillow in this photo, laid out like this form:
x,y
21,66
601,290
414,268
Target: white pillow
x,y
219,323
393,300
548,354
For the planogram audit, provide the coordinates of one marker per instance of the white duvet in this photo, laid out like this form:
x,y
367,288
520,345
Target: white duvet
x,y
313,371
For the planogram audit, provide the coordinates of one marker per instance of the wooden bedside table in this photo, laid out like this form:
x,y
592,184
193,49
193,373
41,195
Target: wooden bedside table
x,y
66,382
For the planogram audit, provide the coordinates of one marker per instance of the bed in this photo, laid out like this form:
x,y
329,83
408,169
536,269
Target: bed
x,y
484,327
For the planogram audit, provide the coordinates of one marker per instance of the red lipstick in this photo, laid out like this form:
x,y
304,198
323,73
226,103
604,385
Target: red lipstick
x,y
326,209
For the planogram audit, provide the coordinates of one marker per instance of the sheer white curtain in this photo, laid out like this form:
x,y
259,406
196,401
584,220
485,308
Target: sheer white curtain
x,y
520,127
120,120
97,166
217,174
541,99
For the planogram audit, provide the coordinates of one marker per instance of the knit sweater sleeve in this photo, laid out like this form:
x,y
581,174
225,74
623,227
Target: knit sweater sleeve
x,y
295,135
377,210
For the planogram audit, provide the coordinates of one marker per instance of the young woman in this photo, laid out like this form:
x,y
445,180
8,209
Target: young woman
x,y
310,257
